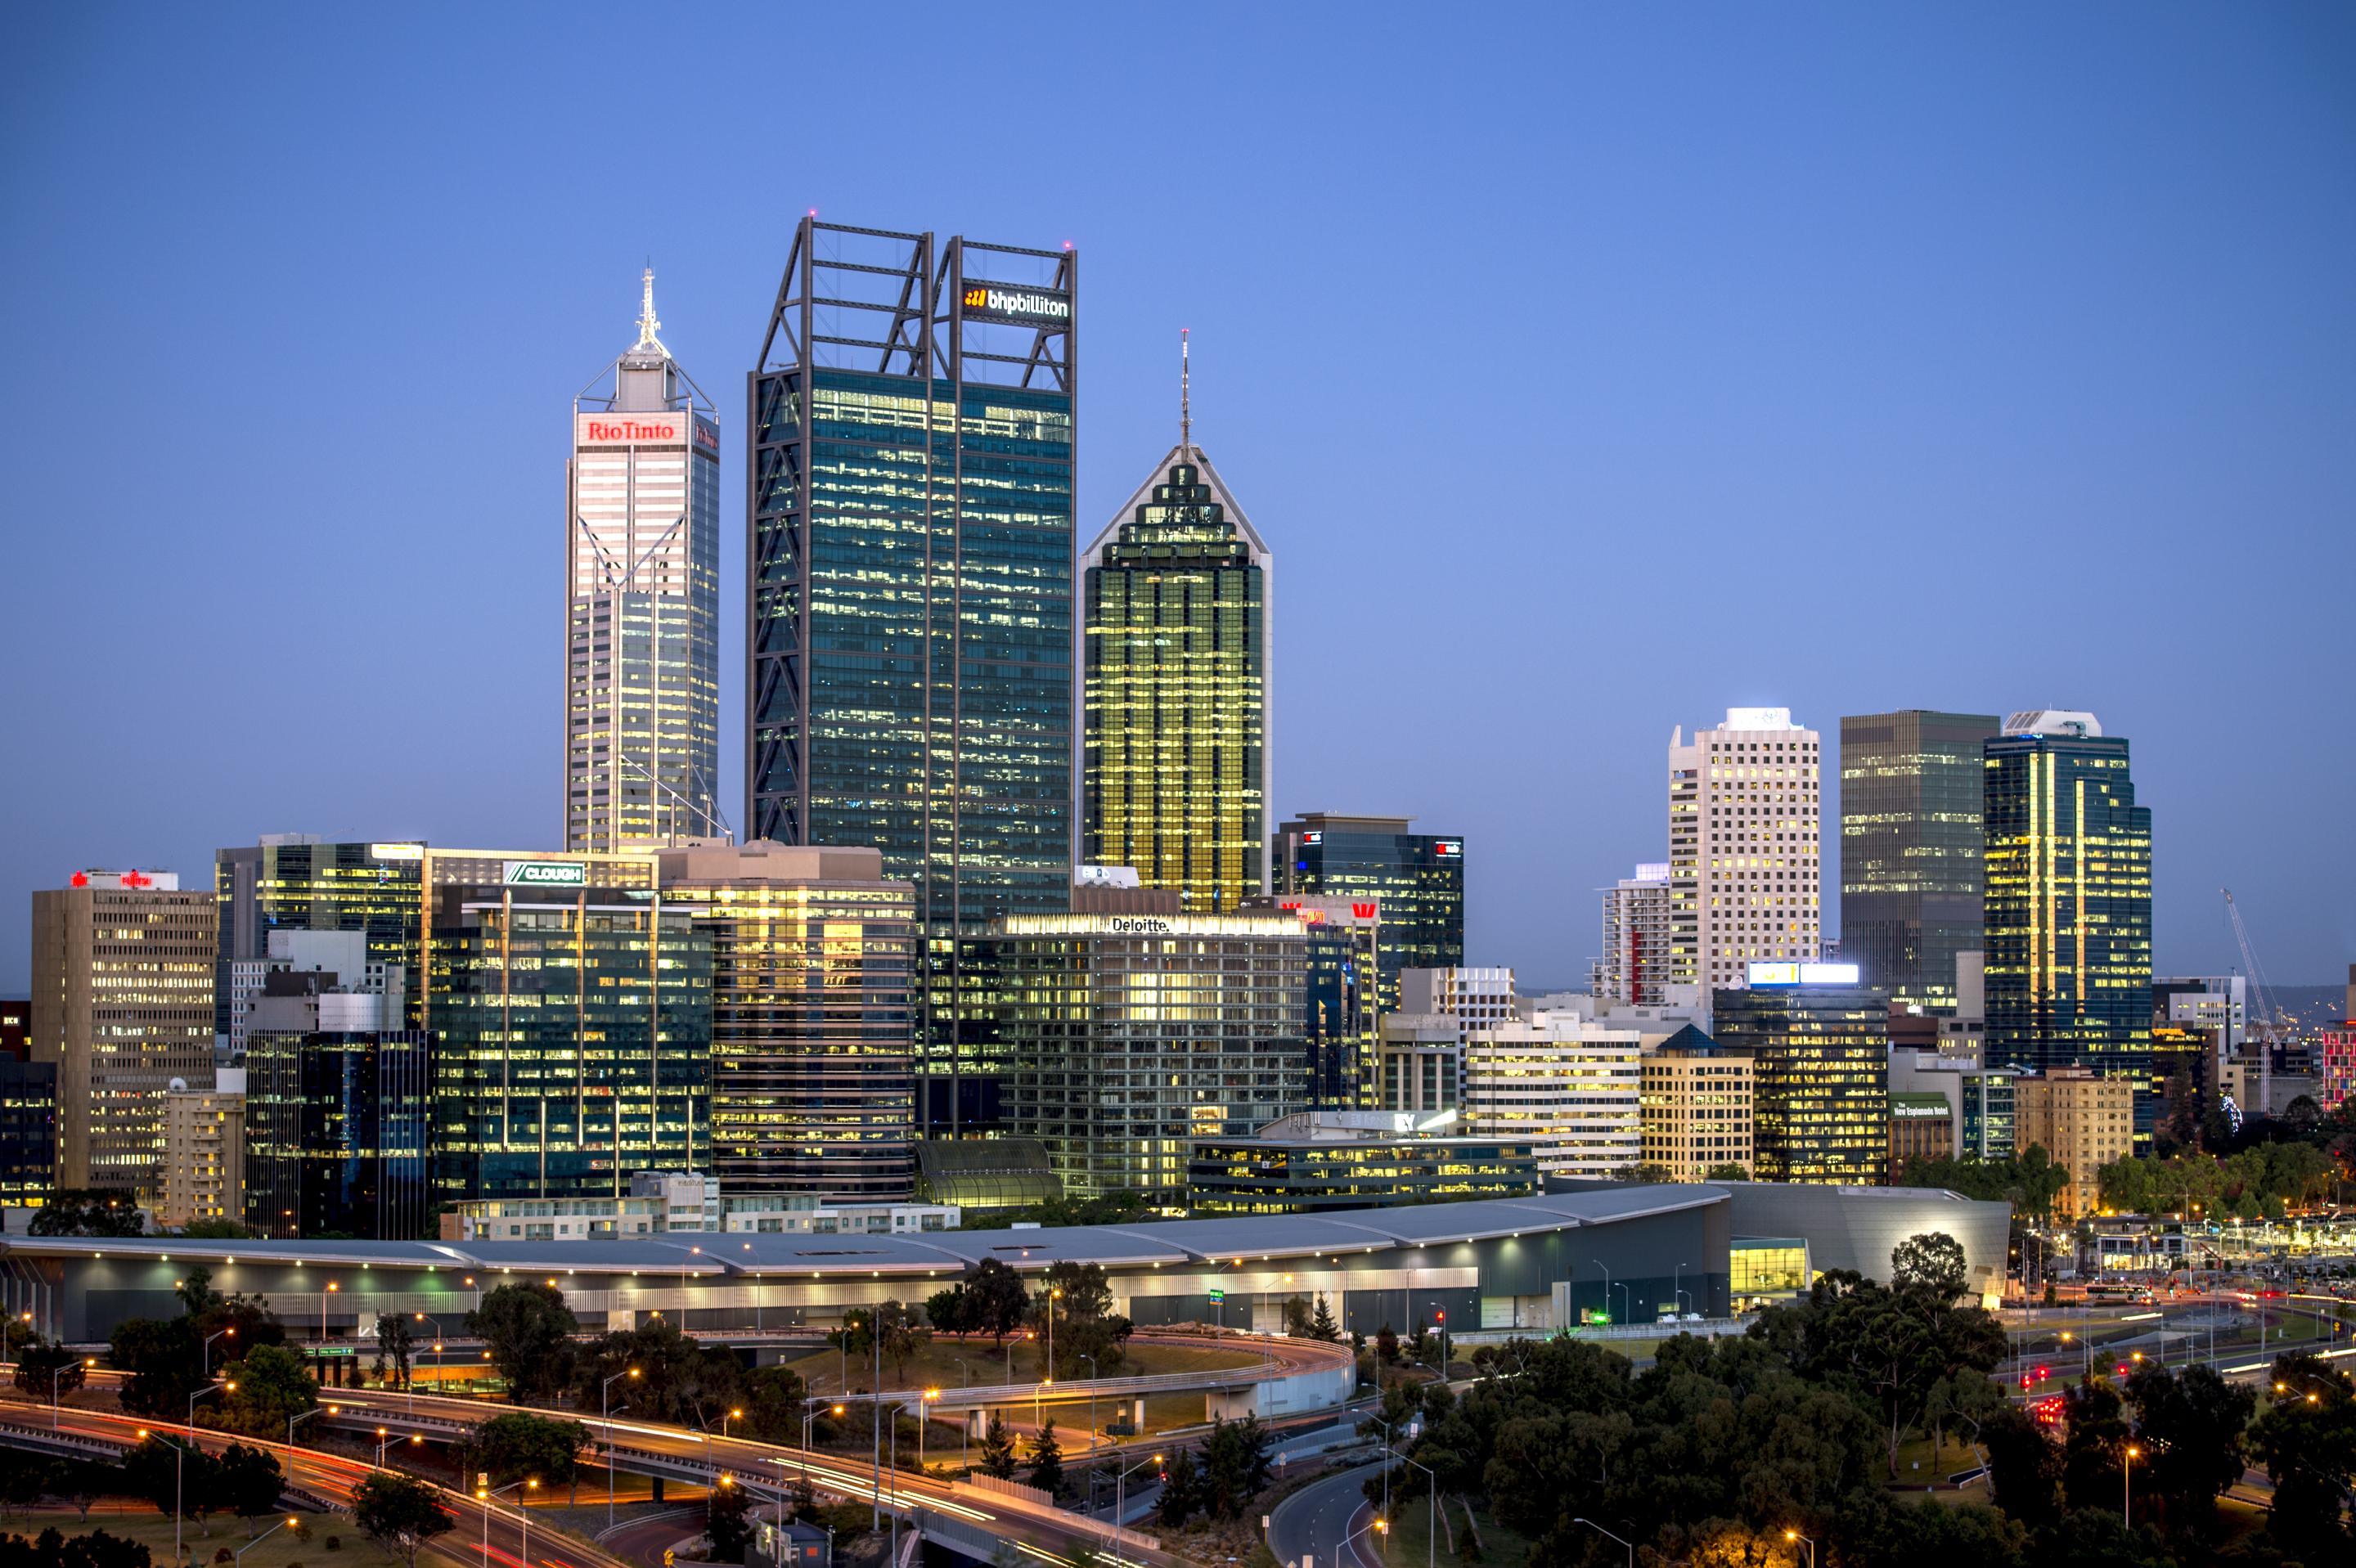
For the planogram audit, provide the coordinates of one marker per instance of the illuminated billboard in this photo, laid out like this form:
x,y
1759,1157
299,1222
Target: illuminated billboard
x,y
1778,974
1024,307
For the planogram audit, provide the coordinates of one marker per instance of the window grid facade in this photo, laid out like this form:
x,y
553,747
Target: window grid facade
x,y
1912,871
1698,1103
1175,772
1743,874
1820,1063
1417,878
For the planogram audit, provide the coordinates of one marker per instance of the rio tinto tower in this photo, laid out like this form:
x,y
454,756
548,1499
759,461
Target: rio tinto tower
x,y
642,604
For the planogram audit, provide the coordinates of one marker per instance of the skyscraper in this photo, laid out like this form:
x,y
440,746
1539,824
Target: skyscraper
x,y
1742,846
1634,967
1415,878
123,1004
911,629
813,966
1819,1047
2068,906
1910,853
642,608
1175,774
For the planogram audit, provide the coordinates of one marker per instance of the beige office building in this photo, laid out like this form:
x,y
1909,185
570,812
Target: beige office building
x,y
204,1154
1743,869
2083,1120
122,1003
1568,1088
1697,1105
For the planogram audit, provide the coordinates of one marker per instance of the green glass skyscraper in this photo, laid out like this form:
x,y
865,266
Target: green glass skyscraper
x,y
1175,777
910,689
1911,848
2069,900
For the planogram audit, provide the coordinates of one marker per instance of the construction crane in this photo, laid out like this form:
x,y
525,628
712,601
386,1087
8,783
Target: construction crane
x,y
2269,1026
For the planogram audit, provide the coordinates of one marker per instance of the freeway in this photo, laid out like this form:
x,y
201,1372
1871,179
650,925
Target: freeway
x,y
482,1535
1324,1522
957,1512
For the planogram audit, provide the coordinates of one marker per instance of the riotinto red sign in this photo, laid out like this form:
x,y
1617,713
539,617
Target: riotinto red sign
x,y
629,430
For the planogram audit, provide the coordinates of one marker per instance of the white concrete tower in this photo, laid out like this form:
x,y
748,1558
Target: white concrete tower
x,y
1744,884
642,606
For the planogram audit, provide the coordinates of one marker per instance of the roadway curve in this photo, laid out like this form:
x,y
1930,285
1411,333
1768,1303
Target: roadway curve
x,y
481,1534
1324,1521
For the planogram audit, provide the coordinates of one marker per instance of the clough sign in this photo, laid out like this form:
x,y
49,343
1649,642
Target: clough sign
x,y
1027,307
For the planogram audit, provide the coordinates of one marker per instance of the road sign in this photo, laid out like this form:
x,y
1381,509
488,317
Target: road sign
x,y
1217,1295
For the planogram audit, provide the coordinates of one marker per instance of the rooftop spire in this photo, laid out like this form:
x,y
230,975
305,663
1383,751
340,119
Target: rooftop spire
x,y
647,325
1185,406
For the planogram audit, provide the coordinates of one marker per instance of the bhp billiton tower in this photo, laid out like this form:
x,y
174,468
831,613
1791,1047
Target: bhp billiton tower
x,y
910,576
641,633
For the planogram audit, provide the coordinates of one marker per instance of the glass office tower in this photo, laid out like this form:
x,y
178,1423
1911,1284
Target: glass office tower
x,y
572,1037
1911,852
910,682
1417,878
1820,1075
2068,907
1175,777
336,1127
642,603
812,989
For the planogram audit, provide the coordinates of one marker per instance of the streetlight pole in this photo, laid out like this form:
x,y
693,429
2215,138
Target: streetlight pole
x,y
1120,1494
239,1555
1795,1535
53,1389
1679,1286
1598,1263
2126,1486
1430,1509
1627,1304
605,1414
810,1415
523,1516
206,1363
331,1288
295,1421
1094,1377
179,1463
409,1378
1621,1540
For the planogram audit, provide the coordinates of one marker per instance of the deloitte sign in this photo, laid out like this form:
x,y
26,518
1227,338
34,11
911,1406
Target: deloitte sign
x,y
547,874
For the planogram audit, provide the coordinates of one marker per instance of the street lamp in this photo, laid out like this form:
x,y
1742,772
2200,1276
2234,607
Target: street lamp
x,y
206,1364
53,1388
2126,1486
1430,1504
810,1415
523,1515
295,1421
409,1379
1678,1286
1795,1535
1121,1492
386,1442
1052,1297
605,1413
1621,1540
1094,1377
239,1555
179,1462
732,1416
332,1287
1598,1263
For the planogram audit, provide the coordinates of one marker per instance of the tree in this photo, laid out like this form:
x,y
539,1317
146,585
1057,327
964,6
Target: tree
x,y
529,1331
727,1523
43,1364
1047,1460
82,1482
395,1343
251,1483
163,1469
1930,1263
158,1359
273,1389
1386,1345
2094,1451
998,1449
1181,1491
1727,1172
27,1479
950,1311
999,1299
1321,1325
2192,1425
773,1405
1236,1465
677,1379
1649,1171
1297,1317
2309,1447
88,1211
518,1447
215,1230
904,1335
402,1513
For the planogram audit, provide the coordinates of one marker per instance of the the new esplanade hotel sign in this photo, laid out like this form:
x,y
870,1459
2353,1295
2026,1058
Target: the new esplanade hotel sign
x,y
1026,307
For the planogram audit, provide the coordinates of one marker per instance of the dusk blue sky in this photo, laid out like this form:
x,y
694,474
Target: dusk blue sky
x,y
1590,369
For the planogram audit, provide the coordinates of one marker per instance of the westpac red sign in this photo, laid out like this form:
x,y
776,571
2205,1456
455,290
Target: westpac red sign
x,y
1332,912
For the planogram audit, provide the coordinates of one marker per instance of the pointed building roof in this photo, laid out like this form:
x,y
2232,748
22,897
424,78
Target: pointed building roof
x,y
1185,452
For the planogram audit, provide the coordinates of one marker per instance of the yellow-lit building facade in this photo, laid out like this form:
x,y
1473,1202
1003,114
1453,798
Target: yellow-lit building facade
x,y
1174,776
204,1156
813,975
2084,1120
122,1003
1820,1059
1697,1099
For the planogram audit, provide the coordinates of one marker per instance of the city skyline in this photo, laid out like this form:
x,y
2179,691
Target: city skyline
x,y
1964,420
